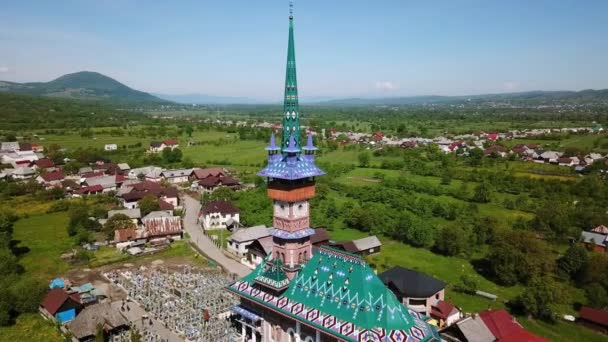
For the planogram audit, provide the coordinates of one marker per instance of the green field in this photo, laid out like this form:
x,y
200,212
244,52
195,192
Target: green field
x,y
32,328
47,239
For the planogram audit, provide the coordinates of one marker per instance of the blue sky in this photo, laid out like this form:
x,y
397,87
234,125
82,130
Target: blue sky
x,y
343,48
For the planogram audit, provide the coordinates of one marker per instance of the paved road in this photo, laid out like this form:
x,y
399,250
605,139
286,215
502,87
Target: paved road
x,y
205,244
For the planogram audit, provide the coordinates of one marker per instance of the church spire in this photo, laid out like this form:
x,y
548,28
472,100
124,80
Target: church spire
x,y
291,110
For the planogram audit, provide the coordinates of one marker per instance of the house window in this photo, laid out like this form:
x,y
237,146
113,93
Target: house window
x,y
417,302
437,296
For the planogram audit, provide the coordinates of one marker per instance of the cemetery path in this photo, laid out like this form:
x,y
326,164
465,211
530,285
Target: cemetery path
x,y
204,244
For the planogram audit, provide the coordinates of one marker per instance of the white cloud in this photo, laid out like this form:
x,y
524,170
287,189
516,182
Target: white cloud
x,y
510,85
3,69
386,86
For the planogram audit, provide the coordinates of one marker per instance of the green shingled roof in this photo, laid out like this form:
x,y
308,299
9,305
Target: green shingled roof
x,y
339,293
272,275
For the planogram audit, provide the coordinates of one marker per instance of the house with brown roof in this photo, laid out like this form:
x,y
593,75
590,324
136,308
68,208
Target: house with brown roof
x,y
43,164
199,174
505,328
595,319
124,235
84,327
59,305
51,179
211,183
162,224
445,313
365,246
217,214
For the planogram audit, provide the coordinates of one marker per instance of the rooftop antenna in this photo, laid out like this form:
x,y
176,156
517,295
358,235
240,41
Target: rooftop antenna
x,y
290,9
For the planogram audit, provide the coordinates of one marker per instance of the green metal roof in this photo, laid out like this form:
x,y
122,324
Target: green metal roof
x,y
291,109
340,294
272,275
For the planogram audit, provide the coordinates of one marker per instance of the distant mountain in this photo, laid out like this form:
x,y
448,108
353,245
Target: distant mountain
x,y
85,85
207,99
531,98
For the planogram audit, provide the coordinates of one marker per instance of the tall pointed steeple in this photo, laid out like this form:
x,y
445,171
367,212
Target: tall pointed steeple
x,y
291,110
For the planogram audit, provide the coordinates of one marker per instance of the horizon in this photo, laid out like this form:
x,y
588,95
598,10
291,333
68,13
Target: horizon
x,y
221,50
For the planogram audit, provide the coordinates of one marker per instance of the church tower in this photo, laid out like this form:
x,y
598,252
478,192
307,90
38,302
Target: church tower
x,y
290,175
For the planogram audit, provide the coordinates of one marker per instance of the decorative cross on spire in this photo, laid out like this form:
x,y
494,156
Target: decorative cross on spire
x,y
290,9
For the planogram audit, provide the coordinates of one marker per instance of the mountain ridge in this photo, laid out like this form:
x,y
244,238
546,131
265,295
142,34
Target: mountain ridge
x,y
84,85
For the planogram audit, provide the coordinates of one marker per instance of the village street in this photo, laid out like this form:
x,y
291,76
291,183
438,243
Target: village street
x,y
204,244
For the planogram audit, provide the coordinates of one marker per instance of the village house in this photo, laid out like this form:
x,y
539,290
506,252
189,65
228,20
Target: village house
x,y
59,305
365,246
51,179
199,174
595,240
133,193
178,176
445,313
496,150
9,146
110,147
106,315
551,157
108,183
43,164
162,223
595,319
134,214
240,240
218,215
414,289
22,172
504,327
159,146
150,173
211,183
470,328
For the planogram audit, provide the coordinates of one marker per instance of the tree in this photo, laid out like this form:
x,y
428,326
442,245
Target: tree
x,y
364,159
468,284
482,193
518,256
541,297
10,136
189,130
475,157
118,221
452,240
597,296
148,204
573,262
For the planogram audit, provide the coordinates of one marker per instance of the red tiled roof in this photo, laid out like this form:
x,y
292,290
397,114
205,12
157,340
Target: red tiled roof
x,y
164,205
492,136
54,299
146,186
594,315
121,235
442,309
171,142
52,176
505,328
221,207
44,163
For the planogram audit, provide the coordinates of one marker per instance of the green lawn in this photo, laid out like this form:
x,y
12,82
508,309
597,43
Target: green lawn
x,y
47,238
32,328
561,331
239,152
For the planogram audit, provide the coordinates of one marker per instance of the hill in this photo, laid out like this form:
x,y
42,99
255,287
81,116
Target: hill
x,y
531,98
85,85
35,112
